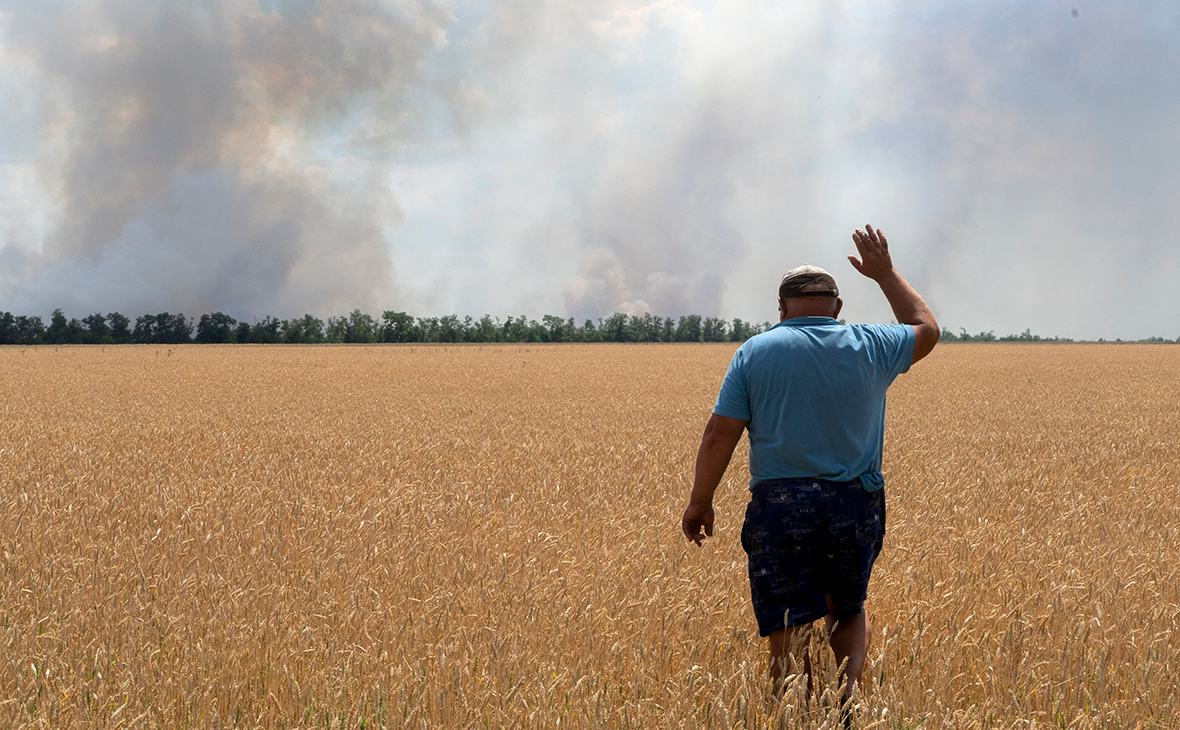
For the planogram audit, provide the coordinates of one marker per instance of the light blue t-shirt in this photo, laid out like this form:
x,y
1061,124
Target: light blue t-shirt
x,y
813,393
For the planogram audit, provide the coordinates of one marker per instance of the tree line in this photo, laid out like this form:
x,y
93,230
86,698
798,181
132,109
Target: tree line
x,y
220,328
1028,336
358,327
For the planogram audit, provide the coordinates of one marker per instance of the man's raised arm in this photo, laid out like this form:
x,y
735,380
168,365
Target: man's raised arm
x,y
908,306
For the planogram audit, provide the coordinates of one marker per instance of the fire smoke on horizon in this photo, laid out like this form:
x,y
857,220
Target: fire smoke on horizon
x,y
275,157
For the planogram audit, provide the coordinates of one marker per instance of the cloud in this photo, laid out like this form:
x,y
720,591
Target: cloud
x,y
580,158
216,155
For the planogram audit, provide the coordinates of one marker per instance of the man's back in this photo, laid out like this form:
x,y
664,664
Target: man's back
x,y
813,394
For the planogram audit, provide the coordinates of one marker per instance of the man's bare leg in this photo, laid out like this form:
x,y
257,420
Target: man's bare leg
x,y
781,646
850,640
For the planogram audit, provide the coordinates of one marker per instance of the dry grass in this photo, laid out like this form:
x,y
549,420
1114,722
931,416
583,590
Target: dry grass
x,y
488,537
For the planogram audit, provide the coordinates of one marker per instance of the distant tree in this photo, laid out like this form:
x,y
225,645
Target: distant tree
x,y
668,333
557,328
485,330
146,330
96,330
29,330
515,329
120,328
75,332
428,327
267,332
305,330
58,330
590,333
948,336
174,328
360,327
336,329
399,327
450,329
537,332
616,329
162,329
645,328
8,332
1026,336
714,330
689,328
215,328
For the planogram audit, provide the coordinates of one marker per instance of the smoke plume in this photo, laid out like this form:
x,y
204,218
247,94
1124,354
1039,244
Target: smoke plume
x,y
217,155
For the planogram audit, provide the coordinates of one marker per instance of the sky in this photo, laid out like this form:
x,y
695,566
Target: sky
x,y
584,157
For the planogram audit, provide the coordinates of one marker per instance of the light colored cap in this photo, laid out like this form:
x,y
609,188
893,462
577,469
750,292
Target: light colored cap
x,y
808,281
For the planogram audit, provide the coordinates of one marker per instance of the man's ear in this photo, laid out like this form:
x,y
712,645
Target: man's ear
x,y
782,309
839,306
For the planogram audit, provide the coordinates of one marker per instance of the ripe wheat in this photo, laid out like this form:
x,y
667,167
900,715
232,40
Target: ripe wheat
x,y
468,537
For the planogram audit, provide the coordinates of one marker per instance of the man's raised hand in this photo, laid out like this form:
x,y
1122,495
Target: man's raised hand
x,y
874,261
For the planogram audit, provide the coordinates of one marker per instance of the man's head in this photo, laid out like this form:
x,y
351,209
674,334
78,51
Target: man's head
x,y
808,291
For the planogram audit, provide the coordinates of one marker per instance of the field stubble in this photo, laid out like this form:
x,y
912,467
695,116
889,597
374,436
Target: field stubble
x,y
489,537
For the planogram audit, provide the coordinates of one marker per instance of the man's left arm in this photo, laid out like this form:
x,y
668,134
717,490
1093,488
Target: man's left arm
x,y
720,439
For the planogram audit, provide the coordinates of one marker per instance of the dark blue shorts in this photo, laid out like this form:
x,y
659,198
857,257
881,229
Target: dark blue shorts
x,y
807,538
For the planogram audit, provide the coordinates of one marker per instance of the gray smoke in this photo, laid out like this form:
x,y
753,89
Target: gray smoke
x,y
580,158
217,155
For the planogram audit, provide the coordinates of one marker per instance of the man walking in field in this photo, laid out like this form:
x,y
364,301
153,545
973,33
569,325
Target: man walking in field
x,y
811,393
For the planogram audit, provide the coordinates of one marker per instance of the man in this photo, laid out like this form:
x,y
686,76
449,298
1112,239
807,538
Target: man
x,y
811,393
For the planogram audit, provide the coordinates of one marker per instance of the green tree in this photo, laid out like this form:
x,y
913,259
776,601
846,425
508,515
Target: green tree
x,y
174,328
75,332
689,328
269,331
29,330
590,333
449,329
215,328
515,329
360,327
714,330
242,332
305,330
146,331
58,332
617,328
557,328
485,330
8,332
399,327
120,328
97,331
646,328
668,334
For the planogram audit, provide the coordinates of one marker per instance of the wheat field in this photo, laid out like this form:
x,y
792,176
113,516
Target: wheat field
x,y
488,537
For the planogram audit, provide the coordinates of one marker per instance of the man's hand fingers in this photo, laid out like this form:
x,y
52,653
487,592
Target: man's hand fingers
x,y
855,263
695,517
878,237
866,242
